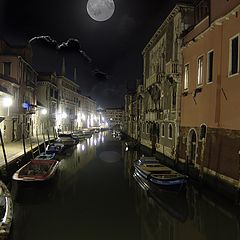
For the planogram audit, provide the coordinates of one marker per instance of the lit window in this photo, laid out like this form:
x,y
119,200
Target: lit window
x,y
200,71
234,56
210,67
186,76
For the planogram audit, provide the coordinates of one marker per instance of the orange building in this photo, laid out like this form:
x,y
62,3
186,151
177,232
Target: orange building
x,y
210,103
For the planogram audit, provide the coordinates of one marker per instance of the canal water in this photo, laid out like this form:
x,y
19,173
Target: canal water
x,y
94,196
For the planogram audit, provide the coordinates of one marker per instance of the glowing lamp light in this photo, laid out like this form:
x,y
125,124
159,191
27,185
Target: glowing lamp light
x,y
83,117
44,111
64,115
7,102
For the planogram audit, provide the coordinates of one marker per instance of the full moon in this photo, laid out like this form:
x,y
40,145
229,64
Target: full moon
x,y
100,10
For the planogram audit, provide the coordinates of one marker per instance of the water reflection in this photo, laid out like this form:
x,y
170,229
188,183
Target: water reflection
x,y
186,216
94,196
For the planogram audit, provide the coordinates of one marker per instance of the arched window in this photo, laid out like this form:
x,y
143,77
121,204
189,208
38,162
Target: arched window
x,y
163,130
170,131
203,132
192,146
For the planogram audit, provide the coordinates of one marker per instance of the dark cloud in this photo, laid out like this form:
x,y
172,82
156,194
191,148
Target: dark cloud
x,y
71,45
46,41
101,76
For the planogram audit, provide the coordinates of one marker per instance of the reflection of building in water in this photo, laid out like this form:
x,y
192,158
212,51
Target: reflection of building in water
x,y
206,219
77,159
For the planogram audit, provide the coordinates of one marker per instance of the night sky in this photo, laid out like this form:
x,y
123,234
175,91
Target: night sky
x,y
107,54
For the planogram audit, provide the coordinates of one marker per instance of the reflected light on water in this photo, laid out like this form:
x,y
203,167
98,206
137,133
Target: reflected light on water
x,y
83,147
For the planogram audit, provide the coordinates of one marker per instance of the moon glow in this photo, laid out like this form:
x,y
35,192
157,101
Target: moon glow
x,y
100,10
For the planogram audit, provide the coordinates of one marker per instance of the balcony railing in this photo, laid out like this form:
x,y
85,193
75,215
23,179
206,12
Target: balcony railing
x,y
151,80
172,68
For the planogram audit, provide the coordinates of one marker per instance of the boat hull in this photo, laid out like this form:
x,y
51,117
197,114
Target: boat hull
x,y
37,171
161,176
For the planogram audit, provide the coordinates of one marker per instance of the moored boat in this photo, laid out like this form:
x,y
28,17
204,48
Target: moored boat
x,y
45,156
6,211
160,175
67,139
87,133
37,170
56,147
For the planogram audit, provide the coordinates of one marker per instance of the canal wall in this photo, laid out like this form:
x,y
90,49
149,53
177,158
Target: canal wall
x,y
204,179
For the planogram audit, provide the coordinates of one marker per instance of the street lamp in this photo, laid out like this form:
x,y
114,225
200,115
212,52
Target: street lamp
x,y
7,102
44,111
64,115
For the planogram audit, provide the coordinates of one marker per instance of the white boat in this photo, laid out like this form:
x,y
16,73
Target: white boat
x,y
45,156
158,174
6,211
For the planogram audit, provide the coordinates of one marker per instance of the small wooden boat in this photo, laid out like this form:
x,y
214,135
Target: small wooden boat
x,y
78,135
67,139
55,147
36,170
87,133
46,156
160,175
6,211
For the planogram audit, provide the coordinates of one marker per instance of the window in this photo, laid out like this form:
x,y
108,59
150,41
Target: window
x,y
186,76
174,98
170,131
7,69
200,71
163,130
234,56
203,131
56,94
51,92
210,67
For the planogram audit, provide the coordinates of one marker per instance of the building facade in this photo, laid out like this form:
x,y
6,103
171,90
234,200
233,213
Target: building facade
x,y
18,78
114,117
160,97
210,129
48,102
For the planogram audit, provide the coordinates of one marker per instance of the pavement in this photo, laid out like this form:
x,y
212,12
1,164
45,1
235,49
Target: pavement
x,y
15,149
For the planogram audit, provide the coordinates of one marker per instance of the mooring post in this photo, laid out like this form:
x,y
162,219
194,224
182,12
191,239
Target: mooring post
x,y
44,144
24,147
37,141
30,140
4,152
48,136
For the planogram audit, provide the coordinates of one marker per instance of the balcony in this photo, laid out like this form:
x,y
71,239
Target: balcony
x,y
151,80
172,68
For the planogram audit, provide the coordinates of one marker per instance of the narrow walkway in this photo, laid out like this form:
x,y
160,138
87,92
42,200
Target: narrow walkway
x,y
15,149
